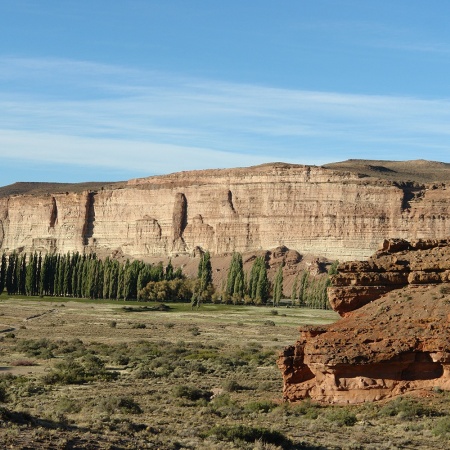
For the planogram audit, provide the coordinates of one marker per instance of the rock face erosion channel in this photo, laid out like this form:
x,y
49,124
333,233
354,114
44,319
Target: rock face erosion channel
x,y
394,336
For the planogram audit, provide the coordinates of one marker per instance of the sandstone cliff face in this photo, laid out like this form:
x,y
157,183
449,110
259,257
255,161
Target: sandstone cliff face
x,y
398,342
309,209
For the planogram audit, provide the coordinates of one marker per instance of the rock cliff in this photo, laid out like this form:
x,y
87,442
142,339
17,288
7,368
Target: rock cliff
x,y
394,338
330,212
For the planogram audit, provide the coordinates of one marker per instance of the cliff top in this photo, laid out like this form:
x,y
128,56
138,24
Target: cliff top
x,y
418,171
41,188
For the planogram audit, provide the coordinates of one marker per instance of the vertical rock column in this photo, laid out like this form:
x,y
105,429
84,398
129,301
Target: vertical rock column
x,y
179,222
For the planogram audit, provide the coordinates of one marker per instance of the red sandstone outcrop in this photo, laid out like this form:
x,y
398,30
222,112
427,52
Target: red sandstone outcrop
x,y
312,210
398,342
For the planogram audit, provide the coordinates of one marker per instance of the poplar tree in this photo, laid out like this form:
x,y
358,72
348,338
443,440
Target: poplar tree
x,y
3,270
294,290
204,287
236,271
30,275
169,271
262,285
11,280
278,286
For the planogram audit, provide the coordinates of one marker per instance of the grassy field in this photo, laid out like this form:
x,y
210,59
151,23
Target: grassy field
x,y
122,375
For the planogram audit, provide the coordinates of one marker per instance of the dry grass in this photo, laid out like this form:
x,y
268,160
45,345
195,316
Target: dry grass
x,y
191,379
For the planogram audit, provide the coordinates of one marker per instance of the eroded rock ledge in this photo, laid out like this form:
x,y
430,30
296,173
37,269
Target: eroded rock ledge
x,y
394,338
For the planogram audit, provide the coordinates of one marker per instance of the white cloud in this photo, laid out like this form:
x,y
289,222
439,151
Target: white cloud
x,y
85,113
117,154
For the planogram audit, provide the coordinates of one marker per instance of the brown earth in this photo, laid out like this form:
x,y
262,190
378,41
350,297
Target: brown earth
x,y
395,334
337,212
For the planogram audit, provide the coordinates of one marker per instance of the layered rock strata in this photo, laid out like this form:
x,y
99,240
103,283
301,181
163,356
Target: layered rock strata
x,y
312,210
398,342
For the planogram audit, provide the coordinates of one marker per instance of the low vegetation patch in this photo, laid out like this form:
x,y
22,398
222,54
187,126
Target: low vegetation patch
x,y
243,433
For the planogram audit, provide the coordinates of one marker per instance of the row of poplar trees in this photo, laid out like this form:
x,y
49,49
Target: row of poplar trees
x,y
250,288
76,275
307,291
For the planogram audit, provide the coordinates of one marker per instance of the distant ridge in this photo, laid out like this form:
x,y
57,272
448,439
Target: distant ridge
x,y
42,188
419,170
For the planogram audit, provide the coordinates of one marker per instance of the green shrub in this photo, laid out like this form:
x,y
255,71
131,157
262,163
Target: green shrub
x,y
263,406
237,433
41,348
66,372
231,386
66,405
191,393
442,428
306,408
342,417
71,371
123,405
405,408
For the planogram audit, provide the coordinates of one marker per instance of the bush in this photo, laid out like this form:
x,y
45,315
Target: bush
x,y
442,428
191,393
260,407
67,405
306,409
3,395
71,371
231,386
405,408
124,405
23,362
342,417
66,372
236,433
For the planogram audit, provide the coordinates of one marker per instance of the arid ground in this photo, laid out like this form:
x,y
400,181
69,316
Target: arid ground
x,y
94,375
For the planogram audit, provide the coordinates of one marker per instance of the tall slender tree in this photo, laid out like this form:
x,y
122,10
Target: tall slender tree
x,y
278,286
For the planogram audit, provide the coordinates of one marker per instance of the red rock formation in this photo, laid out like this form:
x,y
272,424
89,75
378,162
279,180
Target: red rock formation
x,y
398,342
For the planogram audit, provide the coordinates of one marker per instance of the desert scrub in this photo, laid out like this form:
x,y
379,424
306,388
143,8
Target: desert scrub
x,y
14,387
224,406
263,406
40,348
442,428
243,433
231,385
71,371
121,405
191,393
67,405
341,417
406,408
305,409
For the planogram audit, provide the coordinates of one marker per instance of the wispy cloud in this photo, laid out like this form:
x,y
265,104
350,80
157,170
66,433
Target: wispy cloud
x,y
86,113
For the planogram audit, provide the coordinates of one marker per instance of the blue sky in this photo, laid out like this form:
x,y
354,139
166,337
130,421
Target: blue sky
x,y
111,90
